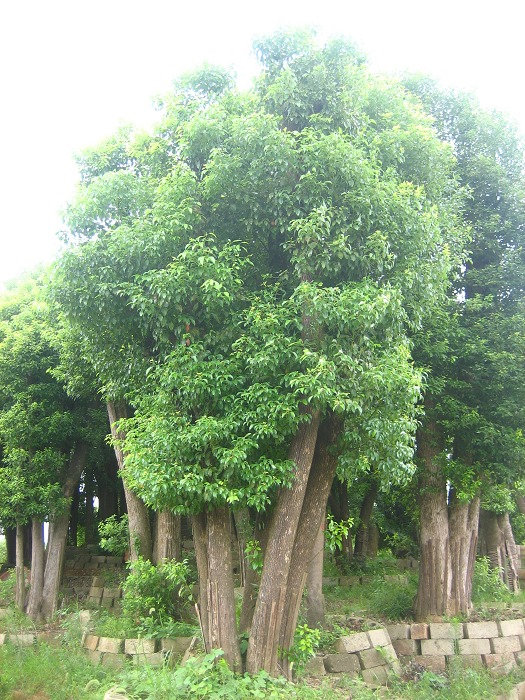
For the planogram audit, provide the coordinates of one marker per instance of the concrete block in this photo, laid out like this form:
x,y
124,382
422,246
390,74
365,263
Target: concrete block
x,y
406,647
398,631
342,663
140,646
474,646
445,630
177,646
521,690
110,645
111,593
510,628
431,663
379,656
22,640
505,645
467,660
106,603
352,643
2,638
90,642
94,656
98,582
419,630
520,657
378,638
481,630
437,647
114,660
156,659
492,660
96,592
376,676
315,667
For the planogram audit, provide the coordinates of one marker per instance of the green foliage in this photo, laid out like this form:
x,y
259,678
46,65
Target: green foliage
x,y
336,531
393,600
305,643
487,585
156,593
254,555
114,534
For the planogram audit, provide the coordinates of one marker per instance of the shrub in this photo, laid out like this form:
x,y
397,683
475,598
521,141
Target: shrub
x,y
393,600
114,535
486,584
156,593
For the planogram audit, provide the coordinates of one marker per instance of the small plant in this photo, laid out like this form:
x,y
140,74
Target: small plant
x,y
114,535
392,600
254,555
305,644
156,592
487,587
336,531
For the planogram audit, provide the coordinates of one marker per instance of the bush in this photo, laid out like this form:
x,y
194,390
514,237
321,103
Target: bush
x,y
156,593
487,587
114,535
393,600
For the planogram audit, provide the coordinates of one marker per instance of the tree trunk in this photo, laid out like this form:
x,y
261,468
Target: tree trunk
x,y
463,531
373,541
138,517
222,631
493,546
520,502
315,612
243,529
338,503
20,589
435,580
511,552
167,537
251,585
201,555
89,523
10,540
267,618
311,518
363,528
73,521
37,570
58,536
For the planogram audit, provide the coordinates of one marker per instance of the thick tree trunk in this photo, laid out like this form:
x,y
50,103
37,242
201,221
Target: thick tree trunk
x,y
463,531
243,530
58,536
37,570
312,516
267,618
138,517
89,524
167,537
315,612
201,555
222,631
363,528
20,585
435,580
10,540
520,502
372,541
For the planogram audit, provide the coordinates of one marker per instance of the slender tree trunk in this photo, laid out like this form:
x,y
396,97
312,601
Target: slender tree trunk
x,y
58,536
138,517
315,612
373,541
435,579
10,540
493,546
222,629
267,618
511,553
37,570
312,515
20,589
28,547
243,530
251,586
91,535
463,530
365,515
201,555
73,520
167,537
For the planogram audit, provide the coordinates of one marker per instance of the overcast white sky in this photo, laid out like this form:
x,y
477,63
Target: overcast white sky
x,y
73,71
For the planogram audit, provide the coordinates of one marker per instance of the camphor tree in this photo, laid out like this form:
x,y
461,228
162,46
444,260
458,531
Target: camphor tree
x,y
471,436
249,297
44,437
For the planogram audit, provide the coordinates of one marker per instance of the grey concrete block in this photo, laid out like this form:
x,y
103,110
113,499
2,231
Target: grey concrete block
x,y
445,630
481,630
510,628
342,663
140,646
406,647
398,632
474,646
419,630
110,645
437,647
505,645
376,676
431,663
352,643
378,638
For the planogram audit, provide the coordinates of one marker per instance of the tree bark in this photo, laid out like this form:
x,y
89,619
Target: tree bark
x,y
251,585
10,540
315,612
58,536
338,503
167,537
363,528
222,631
73,520
435,580
89,523
242,529
463,531
20,586
511,553
520,502
312,515
201,555
138,517
264,638
37,570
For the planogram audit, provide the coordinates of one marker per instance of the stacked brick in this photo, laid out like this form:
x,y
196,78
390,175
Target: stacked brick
x,y
496,645
370,654
102,595
114,652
